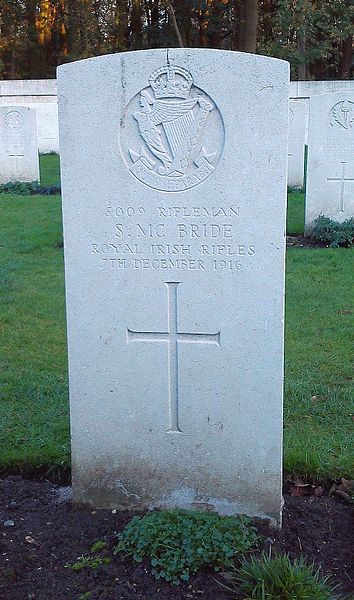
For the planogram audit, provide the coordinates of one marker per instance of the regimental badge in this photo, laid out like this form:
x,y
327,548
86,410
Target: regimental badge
x,y
172,132
14,119
342,114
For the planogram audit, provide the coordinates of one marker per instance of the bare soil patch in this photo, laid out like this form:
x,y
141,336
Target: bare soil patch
x,y
48,532
299,241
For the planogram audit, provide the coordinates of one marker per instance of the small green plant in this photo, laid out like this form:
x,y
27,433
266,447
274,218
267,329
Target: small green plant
x,y
99,546
85,596
278,578
179,542
295,189
89,562
28,189
333,233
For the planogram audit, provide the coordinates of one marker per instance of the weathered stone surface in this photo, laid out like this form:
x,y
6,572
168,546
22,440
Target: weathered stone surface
x,y
330,168
28,87
296,148
307,89
174,188
18,148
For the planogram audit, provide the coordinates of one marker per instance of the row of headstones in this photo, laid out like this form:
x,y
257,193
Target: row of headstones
x,y
19,155
329,173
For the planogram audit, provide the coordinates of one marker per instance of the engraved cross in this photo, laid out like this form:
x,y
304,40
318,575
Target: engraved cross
x,y
16,155
173,337
342,181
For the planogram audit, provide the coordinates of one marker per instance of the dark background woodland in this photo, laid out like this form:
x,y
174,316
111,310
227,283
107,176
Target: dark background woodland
x,y
316,36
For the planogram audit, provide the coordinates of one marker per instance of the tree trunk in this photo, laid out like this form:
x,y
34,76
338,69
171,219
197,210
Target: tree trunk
x,y
202,25
347,55
73,28
185,13
33,57
172,16
136,24
152,19
250,26
63,43
239,24
216,16
120,37
301,45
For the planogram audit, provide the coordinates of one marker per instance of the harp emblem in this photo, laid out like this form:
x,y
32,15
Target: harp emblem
x,y
177,132
342,114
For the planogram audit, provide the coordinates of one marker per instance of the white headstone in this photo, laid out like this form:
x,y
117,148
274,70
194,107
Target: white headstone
x,y
330,166
296,148
19,159
174,185
47,127
40,94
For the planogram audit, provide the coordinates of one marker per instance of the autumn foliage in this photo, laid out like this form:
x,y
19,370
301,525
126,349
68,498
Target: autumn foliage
x,y
37,35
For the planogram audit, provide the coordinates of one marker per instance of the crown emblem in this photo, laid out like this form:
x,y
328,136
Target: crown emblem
x,y
171,82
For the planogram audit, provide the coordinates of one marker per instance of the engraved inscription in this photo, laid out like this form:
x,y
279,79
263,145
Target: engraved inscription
x,y
178,264
174,238
173,337
172,132
342,114
197,211
342,180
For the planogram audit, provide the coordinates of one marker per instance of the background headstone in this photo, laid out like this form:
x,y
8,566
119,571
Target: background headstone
x,y
307,89
174,191
330,167
296,147
19,160
304,90
47,127
41,95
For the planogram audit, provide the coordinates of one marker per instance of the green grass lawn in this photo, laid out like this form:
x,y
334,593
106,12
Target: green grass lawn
x,y
319,361
49,167
33,386
34,389
295,218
